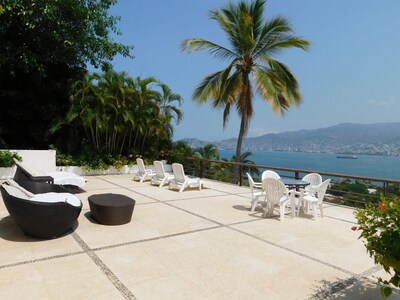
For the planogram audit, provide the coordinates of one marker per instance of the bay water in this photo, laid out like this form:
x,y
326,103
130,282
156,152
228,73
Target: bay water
x,y
386,167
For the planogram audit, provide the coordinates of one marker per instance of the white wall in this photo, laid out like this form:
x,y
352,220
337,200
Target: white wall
x,y
40,161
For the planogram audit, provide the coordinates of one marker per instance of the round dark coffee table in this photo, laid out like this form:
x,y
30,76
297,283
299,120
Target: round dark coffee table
x,y
111,209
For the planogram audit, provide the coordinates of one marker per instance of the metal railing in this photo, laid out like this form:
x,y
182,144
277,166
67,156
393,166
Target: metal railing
x,y
223,171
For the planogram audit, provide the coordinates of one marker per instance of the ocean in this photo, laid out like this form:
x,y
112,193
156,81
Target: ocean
x,y
365,165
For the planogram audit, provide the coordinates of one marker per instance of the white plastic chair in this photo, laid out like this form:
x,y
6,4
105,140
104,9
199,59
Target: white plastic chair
x,y
143,173
313,179
270,174
161,177
276,193
257,194
181,181
315,196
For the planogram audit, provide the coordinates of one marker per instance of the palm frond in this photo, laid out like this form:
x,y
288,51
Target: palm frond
x,y
195,44
278,86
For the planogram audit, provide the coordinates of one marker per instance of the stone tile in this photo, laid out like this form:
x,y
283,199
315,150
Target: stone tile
x,y
339,212
148,221
74,277
96,183
17,247
123,180
223,209
215,264
165,194
326,239
363,290
123,191
228,188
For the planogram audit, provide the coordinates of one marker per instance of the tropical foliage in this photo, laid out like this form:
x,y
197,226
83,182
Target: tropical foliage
x,y
355,193
7,158
380,231
121,115
45,45
209,151
253,45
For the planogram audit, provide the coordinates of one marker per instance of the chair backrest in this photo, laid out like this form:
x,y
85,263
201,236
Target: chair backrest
x,y
274,189
179,172
159,167
313,179
251,182
270,174
140,164
320,190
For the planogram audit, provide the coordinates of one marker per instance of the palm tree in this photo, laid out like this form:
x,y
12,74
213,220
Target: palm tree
x,y
167,108
254,44
209,151
244,159
169,104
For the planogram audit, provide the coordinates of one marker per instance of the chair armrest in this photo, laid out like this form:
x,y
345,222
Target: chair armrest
x,y
47,179
36,187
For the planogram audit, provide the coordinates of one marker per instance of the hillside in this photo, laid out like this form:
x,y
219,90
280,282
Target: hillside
x,y
378,139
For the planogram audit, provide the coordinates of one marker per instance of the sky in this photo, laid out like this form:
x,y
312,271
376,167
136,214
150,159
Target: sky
x,y
351,72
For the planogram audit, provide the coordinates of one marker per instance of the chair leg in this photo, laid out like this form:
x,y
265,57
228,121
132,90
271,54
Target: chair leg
x,y
281,212
162,182
266,209
314,208
320,208
142,178
293,206
253,205
182,188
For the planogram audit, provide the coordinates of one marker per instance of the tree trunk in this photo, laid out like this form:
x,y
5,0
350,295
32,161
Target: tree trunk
x,y
235,178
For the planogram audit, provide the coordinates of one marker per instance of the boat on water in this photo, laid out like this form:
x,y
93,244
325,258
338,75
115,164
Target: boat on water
x,y
347,156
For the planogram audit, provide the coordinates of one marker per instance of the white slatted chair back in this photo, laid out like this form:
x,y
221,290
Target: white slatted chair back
x,y
313,179
179,172
270,174
159,167
251,182
321,190
140,164
274,190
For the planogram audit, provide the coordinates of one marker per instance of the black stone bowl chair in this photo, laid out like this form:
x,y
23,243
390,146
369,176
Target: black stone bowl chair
x,y
44,220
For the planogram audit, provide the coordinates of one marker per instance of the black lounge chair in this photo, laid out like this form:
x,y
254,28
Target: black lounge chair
x,y
42,187
23,176
42,220
70,180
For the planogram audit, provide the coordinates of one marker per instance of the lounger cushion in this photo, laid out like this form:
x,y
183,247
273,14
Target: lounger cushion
x,y
57,197
12,183
67,178
15,192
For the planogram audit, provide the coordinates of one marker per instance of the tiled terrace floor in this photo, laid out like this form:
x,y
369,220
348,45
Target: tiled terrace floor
x,y
195,245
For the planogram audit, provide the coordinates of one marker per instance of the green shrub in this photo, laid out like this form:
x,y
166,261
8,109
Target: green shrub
x,y
380,229
7,158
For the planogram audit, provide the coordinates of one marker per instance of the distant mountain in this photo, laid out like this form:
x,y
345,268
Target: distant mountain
x,y
380,138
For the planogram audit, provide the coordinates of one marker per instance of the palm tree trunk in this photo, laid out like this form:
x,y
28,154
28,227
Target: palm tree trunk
x,y
235,177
